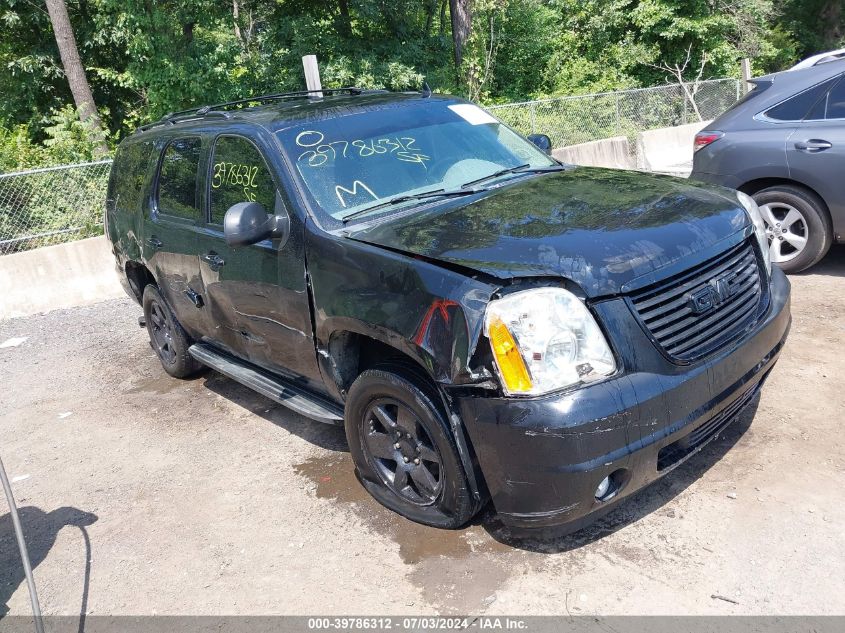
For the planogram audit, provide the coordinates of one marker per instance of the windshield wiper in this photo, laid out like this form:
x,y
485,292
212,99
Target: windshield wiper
x,y
464,190
412,196
519,169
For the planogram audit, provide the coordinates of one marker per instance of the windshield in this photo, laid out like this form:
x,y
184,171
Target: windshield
x,y
352,162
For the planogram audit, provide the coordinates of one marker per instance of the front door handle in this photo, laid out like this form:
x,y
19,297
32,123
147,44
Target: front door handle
x,y
154,242
213,260
813,146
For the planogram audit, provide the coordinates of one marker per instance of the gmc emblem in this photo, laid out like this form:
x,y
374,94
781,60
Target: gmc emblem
x,y
715,293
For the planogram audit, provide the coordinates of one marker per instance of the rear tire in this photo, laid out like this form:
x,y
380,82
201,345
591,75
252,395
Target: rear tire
x,y
404,452
167,337
798,226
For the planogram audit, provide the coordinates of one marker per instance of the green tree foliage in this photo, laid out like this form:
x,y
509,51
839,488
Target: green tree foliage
x,y
144,58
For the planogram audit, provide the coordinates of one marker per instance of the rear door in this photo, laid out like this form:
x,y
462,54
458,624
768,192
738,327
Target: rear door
x,y
257,298
816,149
171,226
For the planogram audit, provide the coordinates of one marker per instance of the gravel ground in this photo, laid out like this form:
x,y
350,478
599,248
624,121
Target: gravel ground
x,y
143,494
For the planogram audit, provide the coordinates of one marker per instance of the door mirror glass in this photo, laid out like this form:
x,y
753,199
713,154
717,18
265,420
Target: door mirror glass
x,y
542,141
248,223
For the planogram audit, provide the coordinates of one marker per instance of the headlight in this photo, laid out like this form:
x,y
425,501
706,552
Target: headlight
x,y
545,339
759,226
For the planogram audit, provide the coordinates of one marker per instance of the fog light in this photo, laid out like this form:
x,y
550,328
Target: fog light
x,y
603,488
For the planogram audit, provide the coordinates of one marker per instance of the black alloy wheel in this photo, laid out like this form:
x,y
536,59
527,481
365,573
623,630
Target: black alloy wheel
x,y
167,337
161,331
402,452
403,447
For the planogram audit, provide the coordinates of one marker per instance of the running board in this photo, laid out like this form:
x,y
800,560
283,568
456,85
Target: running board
x,y
285,393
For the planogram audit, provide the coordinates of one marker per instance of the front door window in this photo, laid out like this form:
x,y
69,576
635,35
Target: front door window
x,y
238,174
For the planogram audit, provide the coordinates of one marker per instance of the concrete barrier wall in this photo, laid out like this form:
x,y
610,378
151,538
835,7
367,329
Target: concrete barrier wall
x,y
667,149
62,276
609,152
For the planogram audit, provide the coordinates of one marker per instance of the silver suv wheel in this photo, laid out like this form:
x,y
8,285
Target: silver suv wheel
x,y
786,229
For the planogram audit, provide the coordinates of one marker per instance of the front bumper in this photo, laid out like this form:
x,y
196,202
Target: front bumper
x,y
542,458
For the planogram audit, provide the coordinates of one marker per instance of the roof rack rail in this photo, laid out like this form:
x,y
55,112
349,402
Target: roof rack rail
x,y
219,109
821,58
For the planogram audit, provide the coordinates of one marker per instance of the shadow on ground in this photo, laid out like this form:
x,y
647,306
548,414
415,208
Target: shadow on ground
x,y
330,437
832,264
332,480
40,530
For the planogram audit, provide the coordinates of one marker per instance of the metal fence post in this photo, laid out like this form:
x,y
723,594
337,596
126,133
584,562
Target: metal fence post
x,y
618,122
533,117
745,67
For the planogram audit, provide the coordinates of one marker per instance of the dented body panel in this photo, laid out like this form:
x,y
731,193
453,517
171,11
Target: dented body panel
x,y
431,314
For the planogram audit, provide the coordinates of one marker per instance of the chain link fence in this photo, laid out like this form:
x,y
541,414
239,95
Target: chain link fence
x,y
40,207
583,118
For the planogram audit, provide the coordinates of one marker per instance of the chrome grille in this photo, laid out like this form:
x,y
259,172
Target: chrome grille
x,y
697,311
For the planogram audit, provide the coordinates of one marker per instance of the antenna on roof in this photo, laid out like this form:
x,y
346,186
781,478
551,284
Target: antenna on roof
x,y
426,90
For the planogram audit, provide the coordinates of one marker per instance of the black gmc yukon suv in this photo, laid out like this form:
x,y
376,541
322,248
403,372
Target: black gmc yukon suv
x,y
485,322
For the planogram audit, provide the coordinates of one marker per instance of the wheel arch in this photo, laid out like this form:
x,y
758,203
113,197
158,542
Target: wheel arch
x,y
138,276
754,186
349,352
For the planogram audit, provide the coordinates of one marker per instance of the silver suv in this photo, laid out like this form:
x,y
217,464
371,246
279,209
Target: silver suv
x,y
784,144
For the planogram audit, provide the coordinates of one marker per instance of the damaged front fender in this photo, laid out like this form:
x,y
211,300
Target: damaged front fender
x,y
431,314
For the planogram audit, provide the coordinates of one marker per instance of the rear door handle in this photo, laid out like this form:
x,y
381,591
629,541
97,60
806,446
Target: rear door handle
x,y
154,242
213,260
813,145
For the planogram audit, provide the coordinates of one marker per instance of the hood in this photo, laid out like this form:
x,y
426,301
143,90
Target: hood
x,y
609,231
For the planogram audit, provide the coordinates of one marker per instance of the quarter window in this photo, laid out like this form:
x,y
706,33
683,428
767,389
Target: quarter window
x,y
798,107
177,181
239,174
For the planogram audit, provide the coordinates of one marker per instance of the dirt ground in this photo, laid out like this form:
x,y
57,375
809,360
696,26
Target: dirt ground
x,y
143,494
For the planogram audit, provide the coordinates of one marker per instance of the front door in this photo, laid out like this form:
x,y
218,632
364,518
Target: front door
x,y
171,226
257,297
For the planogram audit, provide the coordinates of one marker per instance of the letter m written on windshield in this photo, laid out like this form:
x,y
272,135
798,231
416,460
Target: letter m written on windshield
x,y
358,187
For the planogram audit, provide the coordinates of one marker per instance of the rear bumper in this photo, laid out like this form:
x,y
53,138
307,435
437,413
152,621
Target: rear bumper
x,y
542,458
732,182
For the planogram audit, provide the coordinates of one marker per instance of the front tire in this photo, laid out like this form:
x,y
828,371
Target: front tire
x,y
167,337
797,225
404,452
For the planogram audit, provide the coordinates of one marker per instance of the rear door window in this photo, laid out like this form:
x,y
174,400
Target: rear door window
x,y
239,174
177,180
129,173
797,108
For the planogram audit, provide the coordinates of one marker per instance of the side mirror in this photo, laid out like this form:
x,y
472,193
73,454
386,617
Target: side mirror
x,y
248,223
542,141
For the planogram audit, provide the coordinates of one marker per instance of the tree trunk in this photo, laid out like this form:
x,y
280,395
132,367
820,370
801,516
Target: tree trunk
x,y
430,10
461,27
344,20
831,23
236,14
75,72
